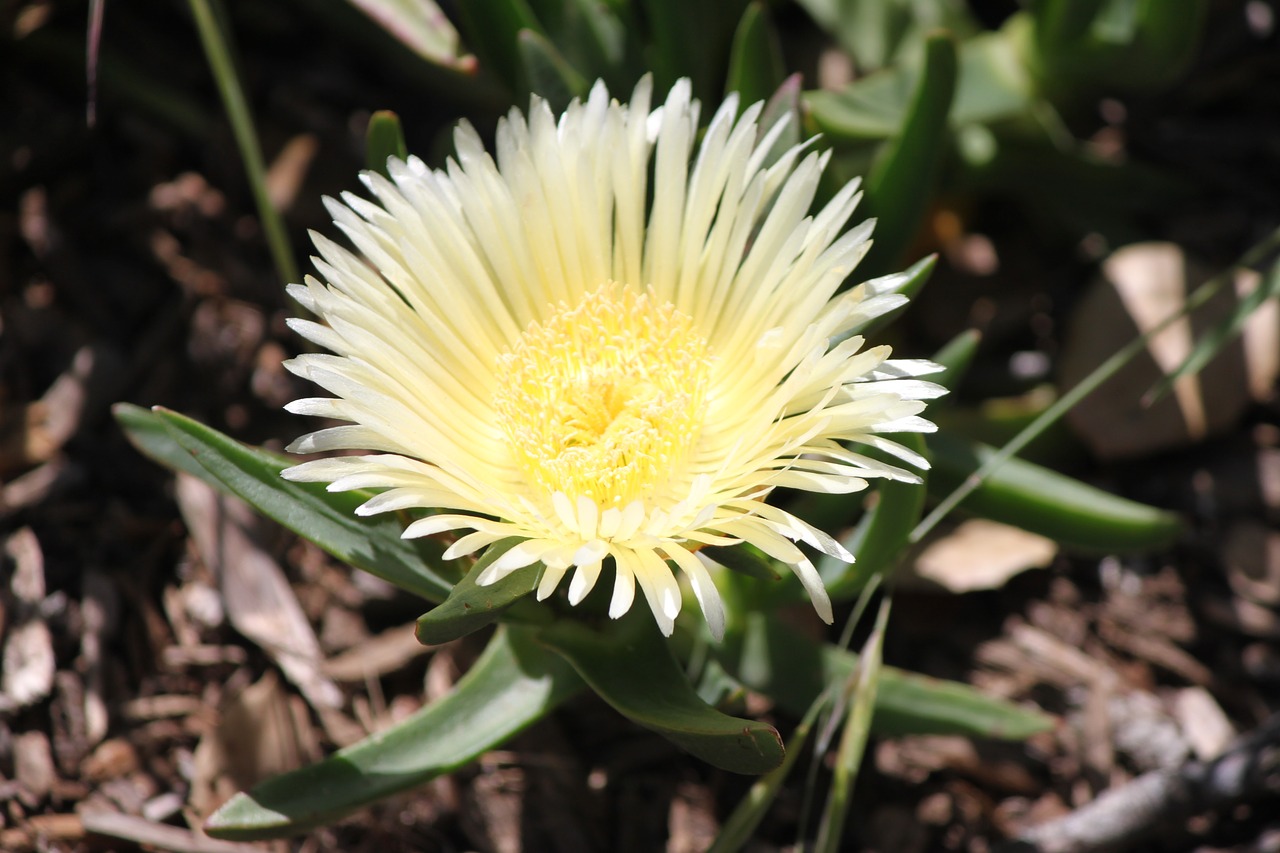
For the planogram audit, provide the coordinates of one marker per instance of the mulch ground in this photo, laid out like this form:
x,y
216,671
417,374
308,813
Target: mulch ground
x,y
134,698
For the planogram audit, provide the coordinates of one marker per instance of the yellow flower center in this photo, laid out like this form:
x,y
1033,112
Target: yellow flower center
x,y
604,398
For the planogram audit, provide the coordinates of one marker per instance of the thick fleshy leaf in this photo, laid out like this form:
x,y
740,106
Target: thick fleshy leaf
x,y
756,69
793,669
900,185
631,667
1079,46
992,84
546,72
875,34
491,29
1041,500
915,277
383,140
690,38
470,606
253,475
513,684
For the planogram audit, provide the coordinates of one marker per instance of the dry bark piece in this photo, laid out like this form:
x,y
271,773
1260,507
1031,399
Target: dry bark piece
x,y
259,601
1123,816
28,650
981,554
1144,284
1251,557
1204,724
33,767
376,656
691,821
113,758
256,737
145,833
99,611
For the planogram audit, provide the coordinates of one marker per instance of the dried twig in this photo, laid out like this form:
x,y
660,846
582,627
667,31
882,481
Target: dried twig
x,y
1118,818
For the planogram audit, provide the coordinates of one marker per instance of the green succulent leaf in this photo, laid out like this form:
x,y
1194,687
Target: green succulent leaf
x,y
756,68
383,140
880,33
900,185
770,657
992,84
492,28
470,606
546,72
513,685
1043,501
632,668
326,518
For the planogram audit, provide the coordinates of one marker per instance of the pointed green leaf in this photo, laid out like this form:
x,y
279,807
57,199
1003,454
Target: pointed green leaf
x,y
783,105
326,518
470,606
491,29
632,668
1043,501
383,140
773,658
992,84
514,684
756,69
876,34
594,39
690,38
545,72
913,280
900,185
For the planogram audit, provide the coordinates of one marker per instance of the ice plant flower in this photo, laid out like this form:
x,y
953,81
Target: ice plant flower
x,y
611,341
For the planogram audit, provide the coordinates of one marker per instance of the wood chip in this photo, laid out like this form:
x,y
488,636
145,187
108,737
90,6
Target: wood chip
x,y
171,838
256,737
1251,557
113,758
55,827
1204,724
29,662
259,601
99,611
981,554
33,767
1144,284
1060,663
161,707
376,656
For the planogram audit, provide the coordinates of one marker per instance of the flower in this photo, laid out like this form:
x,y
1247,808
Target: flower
x,y
603,350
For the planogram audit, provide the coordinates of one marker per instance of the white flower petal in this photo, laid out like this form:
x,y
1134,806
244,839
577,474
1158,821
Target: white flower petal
x,y
614,335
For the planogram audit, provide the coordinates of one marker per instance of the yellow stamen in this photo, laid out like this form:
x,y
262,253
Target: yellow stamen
x,y
604,398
